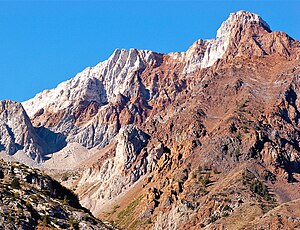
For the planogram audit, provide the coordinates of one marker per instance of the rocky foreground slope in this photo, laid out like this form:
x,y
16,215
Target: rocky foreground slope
x,y
203,139
30,200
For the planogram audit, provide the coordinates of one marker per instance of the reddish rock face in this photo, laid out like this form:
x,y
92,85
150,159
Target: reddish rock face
x,y
217,130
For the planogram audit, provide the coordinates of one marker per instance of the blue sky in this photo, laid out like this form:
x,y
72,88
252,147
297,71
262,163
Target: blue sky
x,y
43,43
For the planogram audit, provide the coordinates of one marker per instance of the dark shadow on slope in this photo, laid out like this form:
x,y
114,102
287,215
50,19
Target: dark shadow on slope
x,y
2,147
101,91
13,147
291,96
53,141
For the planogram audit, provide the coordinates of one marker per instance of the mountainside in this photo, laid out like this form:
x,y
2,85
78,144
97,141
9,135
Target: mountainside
x,y
207,138
30,200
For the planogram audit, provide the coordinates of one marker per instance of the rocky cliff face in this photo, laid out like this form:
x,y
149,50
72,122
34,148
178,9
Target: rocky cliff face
x,y
117,173
182,140
86,109
17,133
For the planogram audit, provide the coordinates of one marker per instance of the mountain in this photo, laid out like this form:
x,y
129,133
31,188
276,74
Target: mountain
x,y
202,139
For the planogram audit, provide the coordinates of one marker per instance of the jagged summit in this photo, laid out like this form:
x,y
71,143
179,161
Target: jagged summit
x,y
101,83
241,18
204,53
107,79
95,89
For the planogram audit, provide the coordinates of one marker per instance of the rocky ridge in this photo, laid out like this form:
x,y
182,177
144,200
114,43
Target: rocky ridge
x,y
184,140
96,91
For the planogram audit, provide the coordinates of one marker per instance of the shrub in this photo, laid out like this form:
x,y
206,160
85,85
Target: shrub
x,y
200,168
15,183
205,180
45,220
213,218
85,217
259,188
65,177
227,208
232,128
114,209
239,137
73,223
65,201
216,171
207,167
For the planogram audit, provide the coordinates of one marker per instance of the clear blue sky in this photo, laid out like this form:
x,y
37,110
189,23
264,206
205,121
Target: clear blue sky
x,y
43,43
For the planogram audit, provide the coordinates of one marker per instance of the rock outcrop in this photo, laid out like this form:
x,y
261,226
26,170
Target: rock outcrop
x,y
30,200
17,133
117,173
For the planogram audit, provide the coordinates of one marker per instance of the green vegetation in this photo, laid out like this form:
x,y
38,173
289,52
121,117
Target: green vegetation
x,y
129,209
125,217
200,169
232,128
216,171
202,177
213,218
227,208
45,220
245,128
204,180
239,137
65,201
65,177
257,187
114,209
85,217
242,105
225,214
74,224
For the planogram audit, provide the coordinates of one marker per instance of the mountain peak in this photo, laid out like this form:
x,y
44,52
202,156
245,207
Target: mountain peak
x,y
240,19
204,54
